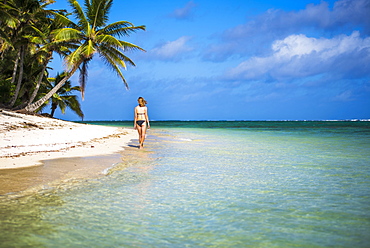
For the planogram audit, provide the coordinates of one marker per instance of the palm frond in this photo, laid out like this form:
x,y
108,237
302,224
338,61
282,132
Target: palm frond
x,y
112,63
46,3
62,105
83,77
61,19
116,55
77,88
129,46
5,40
80,15
6,15
75,58
113,55
98,11
108,40
66,34
40,34
73,103
121,28
89,49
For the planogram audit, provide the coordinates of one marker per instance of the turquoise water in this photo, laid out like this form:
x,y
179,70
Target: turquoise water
x,y
212,184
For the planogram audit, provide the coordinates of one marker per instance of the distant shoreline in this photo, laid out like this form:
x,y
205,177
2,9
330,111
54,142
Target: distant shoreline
x,y
130,121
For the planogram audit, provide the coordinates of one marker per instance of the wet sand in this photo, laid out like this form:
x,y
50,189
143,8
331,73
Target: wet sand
x,y
54,172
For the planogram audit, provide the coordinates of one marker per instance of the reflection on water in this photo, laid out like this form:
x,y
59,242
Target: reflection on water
x,y
210,188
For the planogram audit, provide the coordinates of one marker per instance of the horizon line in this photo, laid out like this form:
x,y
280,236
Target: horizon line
x,y
333,120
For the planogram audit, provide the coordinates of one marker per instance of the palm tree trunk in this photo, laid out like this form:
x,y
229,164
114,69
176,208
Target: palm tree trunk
x,y
34,93
20,77
36,90
15,67
34,106
53,108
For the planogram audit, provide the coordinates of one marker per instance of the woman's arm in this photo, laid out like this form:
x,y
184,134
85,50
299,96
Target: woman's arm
x,y
146,117
135,118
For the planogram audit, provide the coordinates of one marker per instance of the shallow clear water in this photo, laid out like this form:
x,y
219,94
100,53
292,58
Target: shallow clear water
x,y
212,184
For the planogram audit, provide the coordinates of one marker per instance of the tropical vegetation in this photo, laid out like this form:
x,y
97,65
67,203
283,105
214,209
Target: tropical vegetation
x,y
31,34
63,98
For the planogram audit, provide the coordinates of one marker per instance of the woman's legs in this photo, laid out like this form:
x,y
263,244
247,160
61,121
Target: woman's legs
x,y
142,131
138,128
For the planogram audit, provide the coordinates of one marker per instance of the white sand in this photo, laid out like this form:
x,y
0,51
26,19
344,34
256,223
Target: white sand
x,y
26,140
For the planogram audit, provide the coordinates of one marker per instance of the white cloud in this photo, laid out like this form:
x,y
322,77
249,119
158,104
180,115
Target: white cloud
x,y
345,96
321,16
299,55
254,36
171,50
185,12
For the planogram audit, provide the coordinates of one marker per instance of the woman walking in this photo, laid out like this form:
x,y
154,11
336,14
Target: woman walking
x,y
141,122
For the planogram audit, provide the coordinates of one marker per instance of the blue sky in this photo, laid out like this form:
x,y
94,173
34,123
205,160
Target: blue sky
x,y
238,60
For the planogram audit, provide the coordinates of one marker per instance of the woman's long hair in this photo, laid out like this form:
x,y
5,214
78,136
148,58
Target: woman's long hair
x,y
142,102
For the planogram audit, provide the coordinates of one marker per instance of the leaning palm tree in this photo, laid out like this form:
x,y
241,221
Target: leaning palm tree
x,y
93,36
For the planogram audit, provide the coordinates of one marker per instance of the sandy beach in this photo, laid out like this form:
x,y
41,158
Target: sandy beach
x,y
27,140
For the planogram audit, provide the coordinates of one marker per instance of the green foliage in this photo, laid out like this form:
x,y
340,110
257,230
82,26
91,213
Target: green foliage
x,y
30,34
5,91
63,98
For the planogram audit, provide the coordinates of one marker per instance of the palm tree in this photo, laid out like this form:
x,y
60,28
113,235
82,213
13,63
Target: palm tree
x,y
64,97
8,21
47,45
21,22
93,36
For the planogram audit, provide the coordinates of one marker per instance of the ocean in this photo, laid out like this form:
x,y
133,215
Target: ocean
x,y
211,184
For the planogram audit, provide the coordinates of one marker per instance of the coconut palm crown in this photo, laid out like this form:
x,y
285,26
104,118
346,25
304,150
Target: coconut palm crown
x,y
64,97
